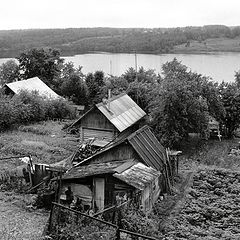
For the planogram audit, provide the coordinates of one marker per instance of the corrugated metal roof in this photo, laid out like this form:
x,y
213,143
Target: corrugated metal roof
x,y
138,176
148,147
33,84
121,111
144,143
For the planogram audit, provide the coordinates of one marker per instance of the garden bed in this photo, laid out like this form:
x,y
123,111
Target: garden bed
x,y
211,208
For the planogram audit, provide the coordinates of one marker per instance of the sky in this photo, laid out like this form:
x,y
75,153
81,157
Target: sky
x,y
28,14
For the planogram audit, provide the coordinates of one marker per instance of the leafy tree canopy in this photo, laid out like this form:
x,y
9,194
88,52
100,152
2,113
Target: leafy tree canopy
x,y
230,97
9,72
95,82
182,104
43,63
75,89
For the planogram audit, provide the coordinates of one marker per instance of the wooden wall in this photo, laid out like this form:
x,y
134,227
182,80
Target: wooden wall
x,y
95,119
121,152
96,125
150,195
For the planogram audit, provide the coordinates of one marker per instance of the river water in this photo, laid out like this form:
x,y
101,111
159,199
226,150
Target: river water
x,y
218,66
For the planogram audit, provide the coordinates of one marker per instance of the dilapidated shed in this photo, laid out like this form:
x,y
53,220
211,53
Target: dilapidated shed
x,y
106,120
110,182
141,145
133,163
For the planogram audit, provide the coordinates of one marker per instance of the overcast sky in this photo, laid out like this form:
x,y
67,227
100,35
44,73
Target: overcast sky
x,y
25,14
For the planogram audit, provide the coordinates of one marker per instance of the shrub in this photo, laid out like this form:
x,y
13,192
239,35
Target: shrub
x,y
8,115
28,107
59,109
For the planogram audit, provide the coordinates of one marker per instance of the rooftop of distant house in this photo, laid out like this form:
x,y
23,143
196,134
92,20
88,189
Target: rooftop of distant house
x,y
32,85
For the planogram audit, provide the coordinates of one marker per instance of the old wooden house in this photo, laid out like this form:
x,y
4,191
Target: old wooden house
x,y
106,120
133,165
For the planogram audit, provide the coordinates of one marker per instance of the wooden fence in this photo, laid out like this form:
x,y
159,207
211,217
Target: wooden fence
x,y
65,221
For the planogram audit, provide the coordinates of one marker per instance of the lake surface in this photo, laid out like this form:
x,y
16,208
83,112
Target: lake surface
x,y
218,66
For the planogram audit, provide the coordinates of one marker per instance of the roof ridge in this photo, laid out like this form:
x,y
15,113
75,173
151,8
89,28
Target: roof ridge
x,y
113,98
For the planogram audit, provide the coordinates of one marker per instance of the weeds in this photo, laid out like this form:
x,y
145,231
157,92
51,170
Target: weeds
x,y
34,130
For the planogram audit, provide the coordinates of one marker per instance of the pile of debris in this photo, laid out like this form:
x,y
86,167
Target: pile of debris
x,y
234,151
84,151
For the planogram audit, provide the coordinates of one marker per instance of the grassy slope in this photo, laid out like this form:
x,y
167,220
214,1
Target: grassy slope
x,y
17,221
210,45
46,142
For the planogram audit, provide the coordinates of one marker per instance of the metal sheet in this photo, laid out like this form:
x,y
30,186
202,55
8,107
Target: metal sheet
x,y
138,176
33,84
123,111
148,147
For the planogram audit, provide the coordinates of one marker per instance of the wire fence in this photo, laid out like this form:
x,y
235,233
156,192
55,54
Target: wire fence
x,y
67,223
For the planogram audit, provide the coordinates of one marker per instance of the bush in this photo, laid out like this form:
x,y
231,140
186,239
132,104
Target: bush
x,y
59,109
8,115
31,107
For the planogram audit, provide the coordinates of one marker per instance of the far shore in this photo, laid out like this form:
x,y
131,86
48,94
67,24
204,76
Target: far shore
x,y
189,52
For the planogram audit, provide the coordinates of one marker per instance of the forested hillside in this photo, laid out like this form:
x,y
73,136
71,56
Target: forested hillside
x,y
82,40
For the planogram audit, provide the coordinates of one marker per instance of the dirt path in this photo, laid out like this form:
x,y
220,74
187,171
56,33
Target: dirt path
x,y
183,190
173,204
18,223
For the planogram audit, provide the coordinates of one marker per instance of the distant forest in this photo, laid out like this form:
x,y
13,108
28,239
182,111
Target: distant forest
x,y
118,40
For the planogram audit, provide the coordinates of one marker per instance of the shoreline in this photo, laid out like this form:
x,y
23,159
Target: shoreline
x,y
72,54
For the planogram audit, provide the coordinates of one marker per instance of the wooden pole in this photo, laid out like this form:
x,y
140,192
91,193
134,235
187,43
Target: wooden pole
x,y
107,223
60,186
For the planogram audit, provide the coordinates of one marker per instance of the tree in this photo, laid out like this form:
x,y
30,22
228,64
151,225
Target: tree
x,y
70,84
75,89
142,86
68,69
237,78
141,75
43,63
117,85
230,96
9,72
95,83
130,75
182,104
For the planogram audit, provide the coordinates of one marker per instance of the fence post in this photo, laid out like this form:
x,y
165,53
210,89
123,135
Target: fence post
x,y
117,234
119,223
50,219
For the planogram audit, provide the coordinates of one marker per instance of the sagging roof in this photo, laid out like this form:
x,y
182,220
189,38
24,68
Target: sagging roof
x,y
97,169
120,110
138,176
33,84
144,143
132,173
